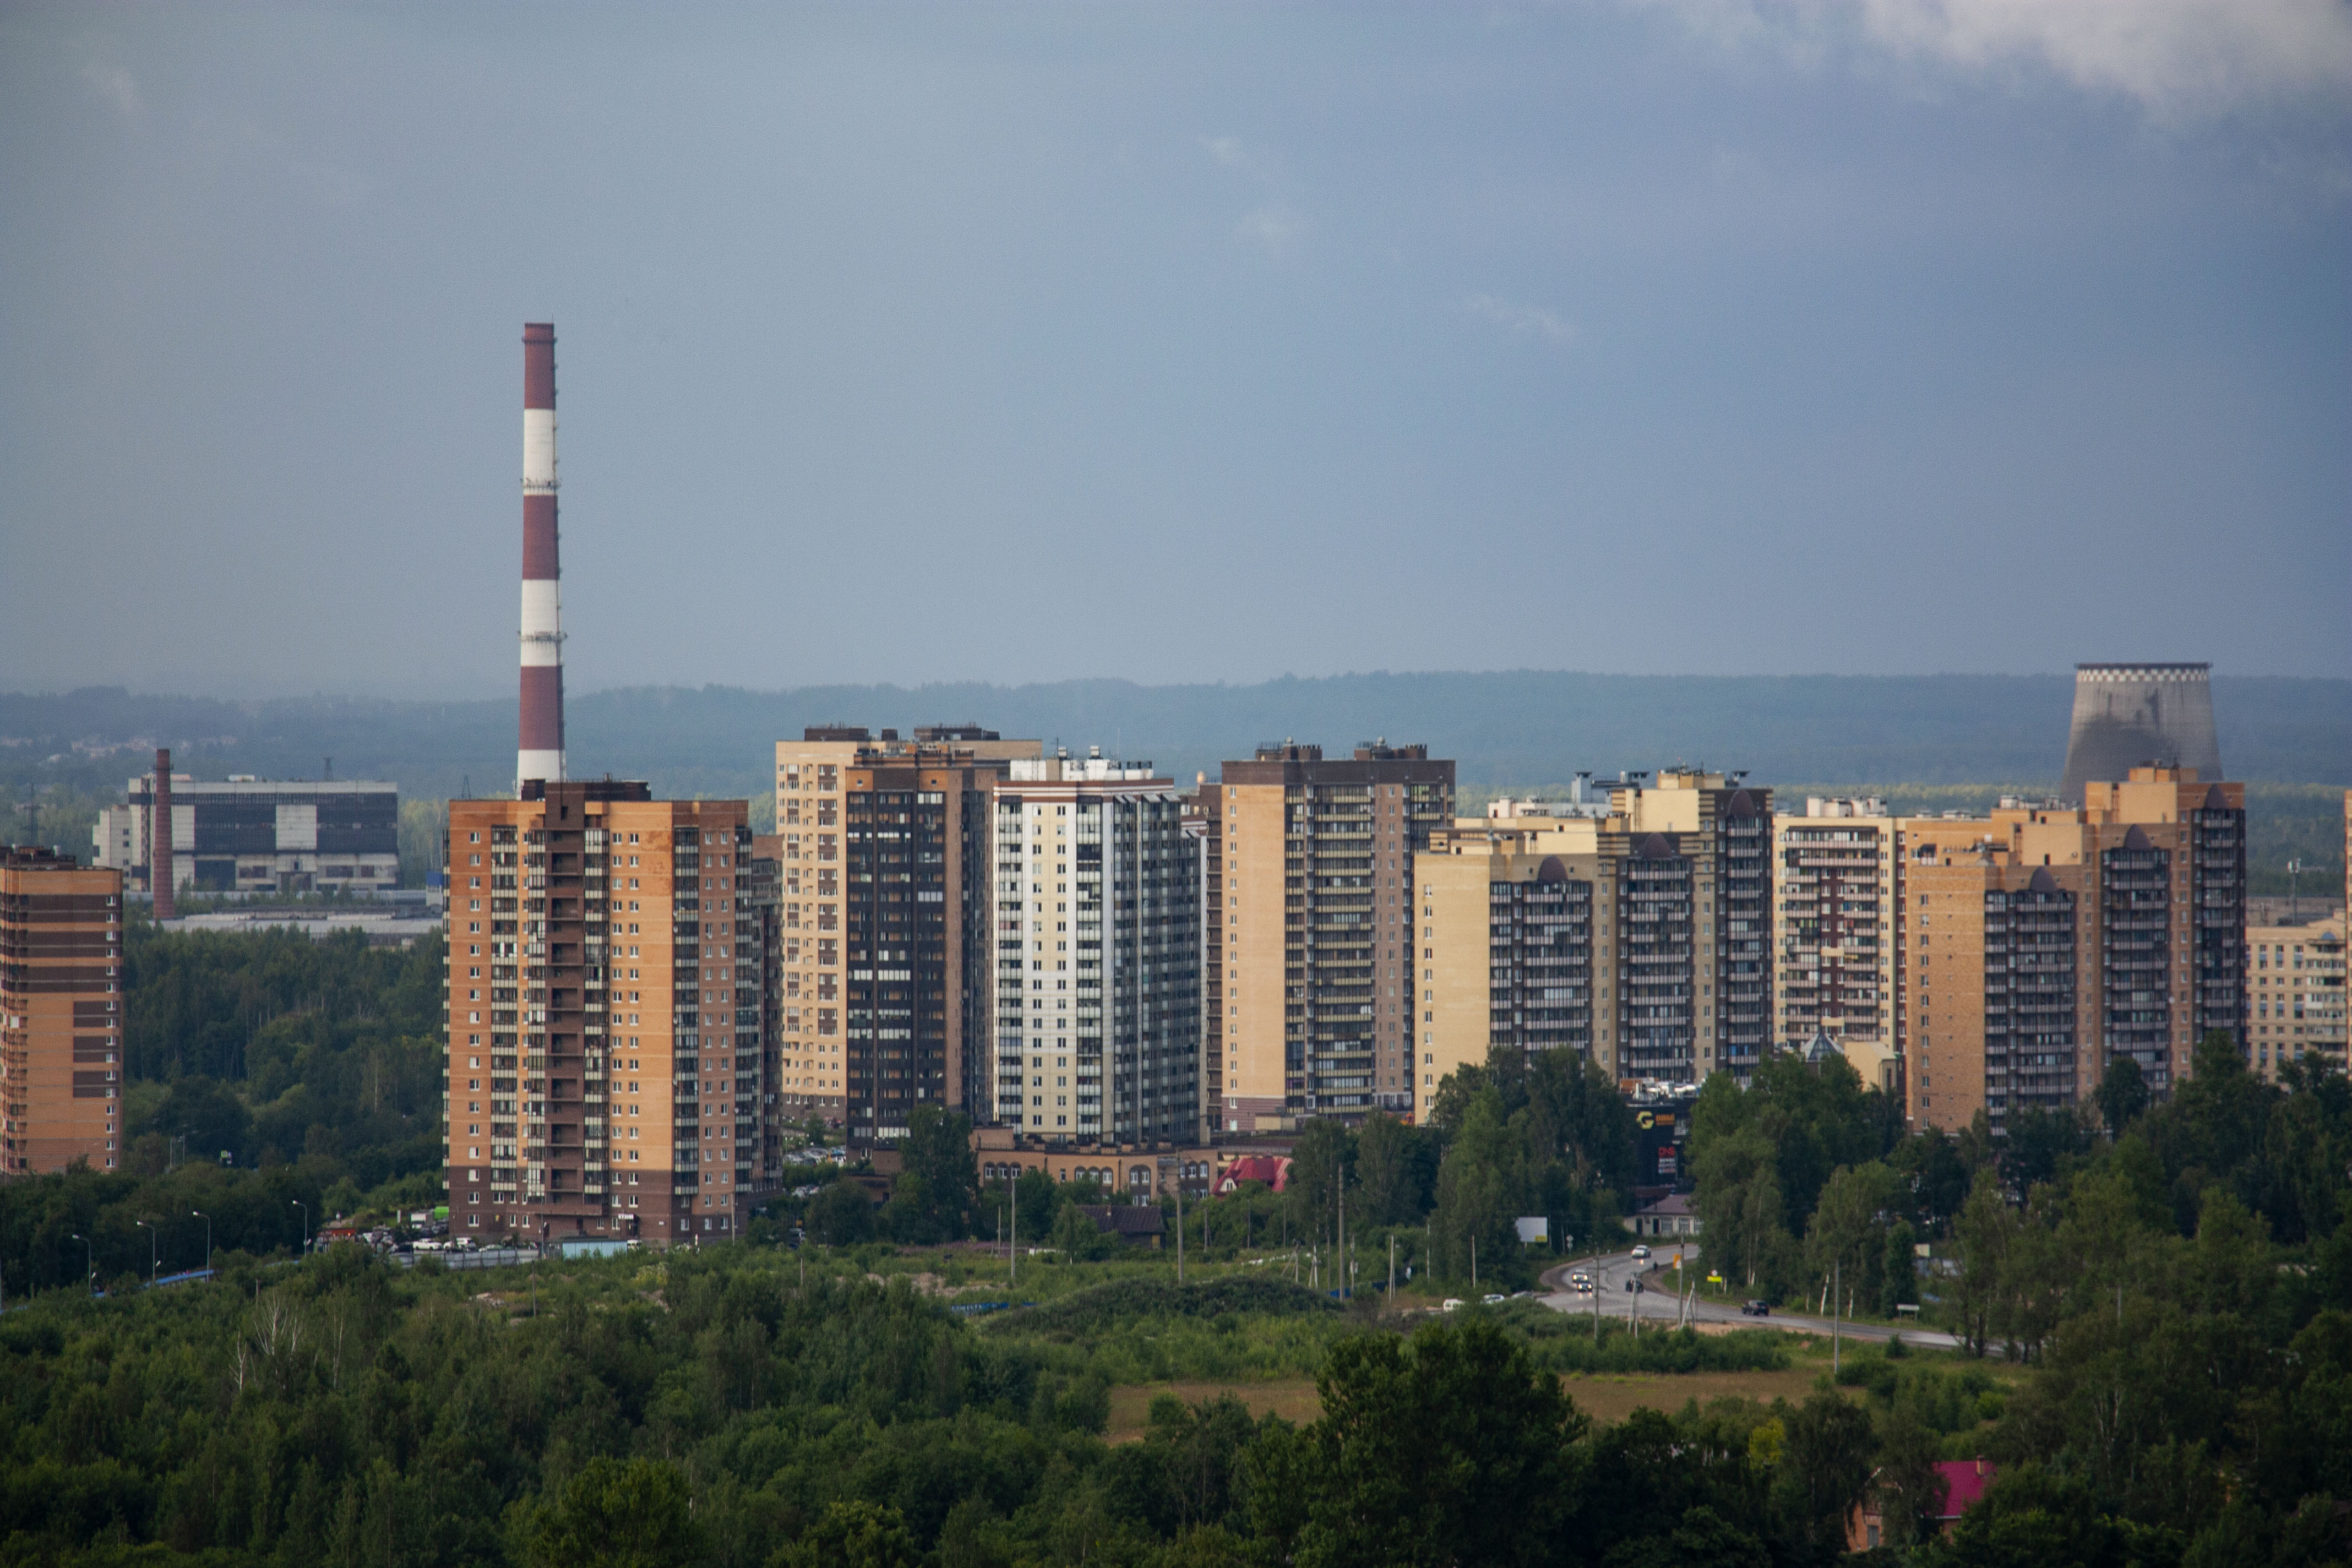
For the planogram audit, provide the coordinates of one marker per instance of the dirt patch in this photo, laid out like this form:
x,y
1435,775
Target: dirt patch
x,y
1294,1399
1612,1396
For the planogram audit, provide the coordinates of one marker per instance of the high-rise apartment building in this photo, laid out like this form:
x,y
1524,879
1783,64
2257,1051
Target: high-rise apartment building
x,y
2017,988
1307,929
2295,984
1512,917
1093,888
886,954
254,835
61,1013
1837,913
605,1060
1639,936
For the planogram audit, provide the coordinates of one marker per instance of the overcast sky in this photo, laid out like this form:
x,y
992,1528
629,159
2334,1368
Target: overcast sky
x,y
1176,342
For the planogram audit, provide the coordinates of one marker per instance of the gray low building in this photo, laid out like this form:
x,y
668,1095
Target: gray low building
x,y
256,835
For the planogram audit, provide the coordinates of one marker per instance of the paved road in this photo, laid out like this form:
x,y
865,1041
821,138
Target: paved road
x,y
1657,1301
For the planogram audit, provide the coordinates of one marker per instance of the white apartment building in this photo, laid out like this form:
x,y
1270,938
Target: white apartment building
x,y
1094,994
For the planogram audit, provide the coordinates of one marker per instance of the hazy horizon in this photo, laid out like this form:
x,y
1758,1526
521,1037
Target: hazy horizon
x,y
1020,343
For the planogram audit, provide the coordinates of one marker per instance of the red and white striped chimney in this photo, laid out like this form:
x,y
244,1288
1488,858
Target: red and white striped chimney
x,y
159,840
540,746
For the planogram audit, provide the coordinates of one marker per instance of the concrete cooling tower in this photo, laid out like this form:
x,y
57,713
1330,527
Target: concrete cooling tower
x,y
2128,715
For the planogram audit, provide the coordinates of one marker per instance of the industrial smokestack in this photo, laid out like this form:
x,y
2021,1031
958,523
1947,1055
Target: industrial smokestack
x,y
159,839
2128,715
540,745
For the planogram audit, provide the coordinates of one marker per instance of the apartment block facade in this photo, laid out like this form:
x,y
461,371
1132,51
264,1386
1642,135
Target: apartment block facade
x,y
254,835
886,953
605,1059
1637,935
2295,982
2150,876
1513,920
1307,929
61,1013
1093,899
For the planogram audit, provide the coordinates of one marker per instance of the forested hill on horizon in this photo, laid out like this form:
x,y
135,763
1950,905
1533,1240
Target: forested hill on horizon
x,y
1515,729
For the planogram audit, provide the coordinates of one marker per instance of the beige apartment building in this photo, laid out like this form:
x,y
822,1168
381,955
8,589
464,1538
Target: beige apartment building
x,y
1640,936
2019,988
2295,982
887,960
604,1003
61,1013
1838,910
1307,988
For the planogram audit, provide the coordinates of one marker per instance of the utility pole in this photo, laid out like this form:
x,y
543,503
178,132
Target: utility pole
x,y
199,1214
1346,1275
1833,1314
1474,1266
1596,1293
1013,1253
150,1230
1392,1271
1180,1222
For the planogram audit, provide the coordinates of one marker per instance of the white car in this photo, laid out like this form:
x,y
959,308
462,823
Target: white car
x,y
1452,1303
1640,1252
1491,1300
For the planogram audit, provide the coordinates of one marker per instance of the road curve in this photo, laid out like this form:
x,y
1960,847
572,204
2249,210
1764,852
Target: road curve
x,y
1657,1301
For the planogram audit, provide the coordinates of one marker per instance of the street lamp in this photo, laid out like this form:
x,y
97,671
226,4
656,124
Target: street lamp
x,y
89,1264
299,1204
199,1214
149,1227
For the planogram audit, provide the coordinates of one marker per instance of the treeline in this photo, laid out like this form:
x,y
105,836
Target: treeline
x,y
265,1070
2179,1275
715,1409
1548,1136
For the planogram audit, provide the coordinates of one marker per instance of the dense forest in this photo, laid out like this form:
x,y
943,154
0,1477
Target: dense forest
x,y
267,1071
2178,1275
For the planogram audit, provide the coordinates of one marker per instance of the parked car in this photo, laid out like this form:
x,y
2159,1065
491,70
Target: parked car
x,y
1492,1300
1452,1303
1755,1309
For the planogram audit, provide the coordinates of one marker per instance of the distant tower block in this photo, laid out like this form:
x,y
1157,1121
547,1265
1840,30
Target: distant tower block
x,y
538,751
2127,715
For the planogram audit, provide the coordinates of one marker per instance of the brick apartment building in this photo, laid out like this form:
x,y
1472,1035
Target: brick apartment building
x,y
61,1055
605,1059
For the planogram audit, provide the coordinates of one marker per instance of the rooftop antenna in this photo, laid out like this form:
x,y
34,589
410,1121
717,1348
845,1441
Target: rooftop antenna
x,y
331,771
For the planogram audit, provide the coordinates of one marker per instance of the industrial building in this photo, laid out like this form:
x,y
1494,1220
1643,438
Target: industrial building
x,y
61,1013
2135,715
248,835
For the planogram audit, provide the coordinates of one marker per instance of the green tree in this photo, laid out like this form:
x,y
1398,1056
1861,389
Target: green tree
x,y
1478,1191
2123,1095
615,1514
945,1191
1385,1167
1452,1447
1824,1471
854,1533
841,1215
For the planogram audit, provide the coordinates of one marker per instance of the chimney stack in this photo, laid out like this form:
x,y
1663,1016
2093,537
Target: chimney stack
x,y
159,839
539,745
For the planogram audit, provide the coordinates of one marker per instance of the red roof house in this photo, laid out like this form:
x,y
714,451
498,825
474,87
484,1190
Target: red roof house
x,y
1274,1170
1964,1486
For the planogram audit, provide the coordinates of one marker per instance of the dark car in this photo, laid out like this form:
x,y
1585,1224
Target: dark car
x,y
1754,1309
